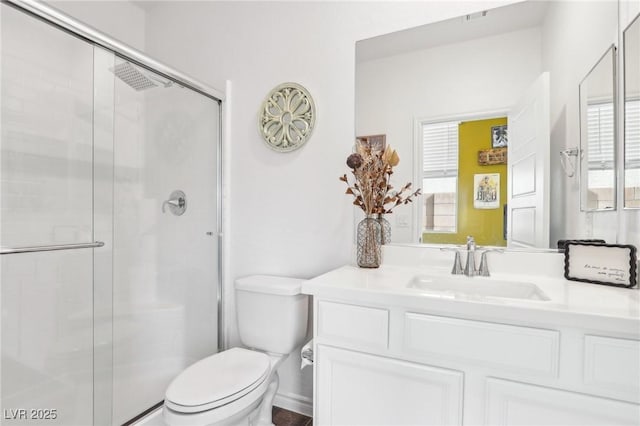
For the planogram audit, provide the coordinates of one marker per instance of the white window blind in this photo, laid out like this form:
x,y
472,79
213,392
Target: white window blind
x,y
440,149
600,142
632,134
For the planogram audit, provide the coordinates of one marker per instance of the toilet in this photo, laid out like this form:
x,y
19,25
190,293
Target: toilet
x,y
237,386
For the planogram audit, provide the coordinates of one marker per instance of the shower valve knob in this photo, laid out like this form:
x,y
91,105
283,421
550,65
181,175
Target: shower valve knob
x,y
177,203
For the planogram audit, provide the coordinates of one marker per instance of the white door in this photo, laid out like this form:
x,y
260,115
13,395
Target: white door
x,y
359,389
528,168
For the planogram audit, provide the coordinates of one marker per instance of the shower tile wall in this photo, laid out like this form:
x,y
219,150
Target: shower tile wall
x,y
47,112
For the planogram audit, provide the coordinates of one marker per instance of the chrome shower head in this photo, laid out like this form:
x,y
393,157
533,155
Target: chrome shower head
x,y
136,78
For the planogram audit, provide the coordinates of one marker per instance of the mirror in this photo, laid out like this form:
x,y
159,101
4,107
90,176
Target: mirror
x,y
467,74
598,135
631,39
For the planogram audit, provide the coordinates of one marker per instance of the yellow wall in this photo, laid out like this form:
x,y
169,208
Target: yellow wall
x,y
486,226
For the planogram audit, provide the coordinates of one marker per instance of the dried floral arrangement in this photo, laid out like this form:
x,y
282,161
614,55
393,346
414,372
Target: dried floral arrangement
x,y
372,190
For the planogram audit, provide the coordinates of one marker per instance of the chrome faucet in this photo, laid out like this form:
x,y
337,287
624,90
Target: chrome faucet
x,y
470,267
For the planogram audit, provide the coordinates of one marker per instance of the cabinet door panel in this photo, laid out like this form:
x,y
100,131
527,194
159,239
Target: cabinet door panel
x,y
512,403
360,389
612,367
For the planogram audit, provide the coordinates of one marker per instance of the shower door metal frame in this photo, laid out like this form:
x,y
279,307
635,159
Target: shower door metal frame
x,y
60,20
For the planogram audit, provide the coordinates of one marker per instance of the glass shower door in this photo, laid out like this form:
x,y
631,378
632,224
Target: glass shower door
x,y
46,202
165,235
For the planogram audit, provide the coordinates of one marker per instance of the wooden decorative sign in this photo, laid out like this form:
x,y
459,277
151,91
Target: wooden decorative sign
x,y
608,264
493,156
375,142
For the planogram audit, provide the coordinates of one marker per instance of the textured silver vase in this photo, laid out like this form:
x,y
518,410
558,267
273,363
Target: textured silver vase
x,y
385,229
369,254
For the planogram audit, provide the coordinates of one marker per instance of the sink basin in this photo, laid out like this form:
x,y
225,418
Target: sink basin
x,y
466,287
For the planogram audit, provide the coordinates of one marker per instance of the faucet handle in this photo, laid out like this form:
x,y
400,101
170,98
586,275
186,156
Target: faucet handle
x,y
483,270
457,262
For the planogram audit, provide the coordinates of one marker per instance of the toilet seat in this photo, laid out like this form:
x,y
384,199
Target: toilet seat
x,y
217,380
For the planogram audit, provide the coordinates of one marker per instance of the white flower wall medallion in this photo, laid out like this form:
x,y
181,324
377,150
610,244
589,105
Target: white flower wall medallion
x,y
287,117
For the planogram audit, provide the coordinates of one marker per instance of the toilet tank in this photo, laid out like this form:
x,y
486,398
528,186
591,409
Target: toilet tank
x,y
272,313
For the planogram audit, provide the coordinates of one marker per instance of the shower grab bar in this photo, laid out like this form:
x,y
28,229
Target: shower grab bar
x,y
35,249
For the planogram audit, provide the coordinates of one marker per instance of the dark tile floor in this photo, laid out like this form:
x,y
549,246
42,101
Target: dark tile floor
x,y
282,417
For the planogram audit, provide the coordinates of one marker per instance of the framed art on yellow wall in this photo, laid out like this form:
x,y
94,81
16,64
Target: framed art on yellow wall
x,y
486,190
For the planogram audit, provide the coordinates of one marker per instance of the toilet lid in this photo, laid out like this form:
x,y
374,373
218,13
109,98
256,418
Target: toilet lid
x,y
223,377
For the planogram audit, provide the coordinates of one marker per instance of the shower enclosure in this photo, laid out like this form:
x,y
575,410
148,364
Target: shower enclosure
x,y
109,223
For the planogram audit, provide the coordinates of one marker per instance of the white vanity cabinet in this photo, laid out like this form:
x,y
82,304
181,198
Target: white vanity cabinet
x,y
394,364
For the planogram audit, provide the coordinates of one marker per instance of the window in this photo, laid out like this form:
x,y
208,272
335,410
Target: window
x,y
632,134
440,175
632,153
600,154
600,136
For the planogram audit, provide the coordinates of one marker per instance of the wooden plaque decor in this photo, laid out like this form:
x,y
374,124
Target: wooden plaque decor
x,y
608,264
375,142
493,156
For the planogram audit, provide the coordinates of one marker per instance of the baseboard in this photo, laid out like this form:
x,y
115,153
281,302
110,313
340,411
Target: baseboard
x,y
294,402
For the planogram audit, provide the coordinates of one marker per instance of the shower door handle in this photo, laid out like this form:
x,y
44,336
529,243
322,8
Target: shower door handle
x,y
35,249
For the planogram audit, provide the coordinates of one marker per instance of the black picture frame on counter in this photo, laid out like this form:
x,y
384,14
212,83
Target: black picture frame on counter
x,y
563,243
596,263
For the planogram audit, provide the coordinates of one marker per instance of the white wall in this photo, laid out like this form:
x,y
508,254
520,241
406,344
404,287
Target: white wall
x,y
288,214
466,78
122,20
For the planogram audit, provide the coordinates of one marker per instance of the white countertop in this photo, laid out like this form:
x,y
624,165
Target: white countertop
x,y
572,303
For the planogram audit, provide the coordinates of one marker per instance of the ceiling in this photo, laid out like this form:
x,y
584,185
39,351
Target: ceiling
x,y
145,5
504,19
